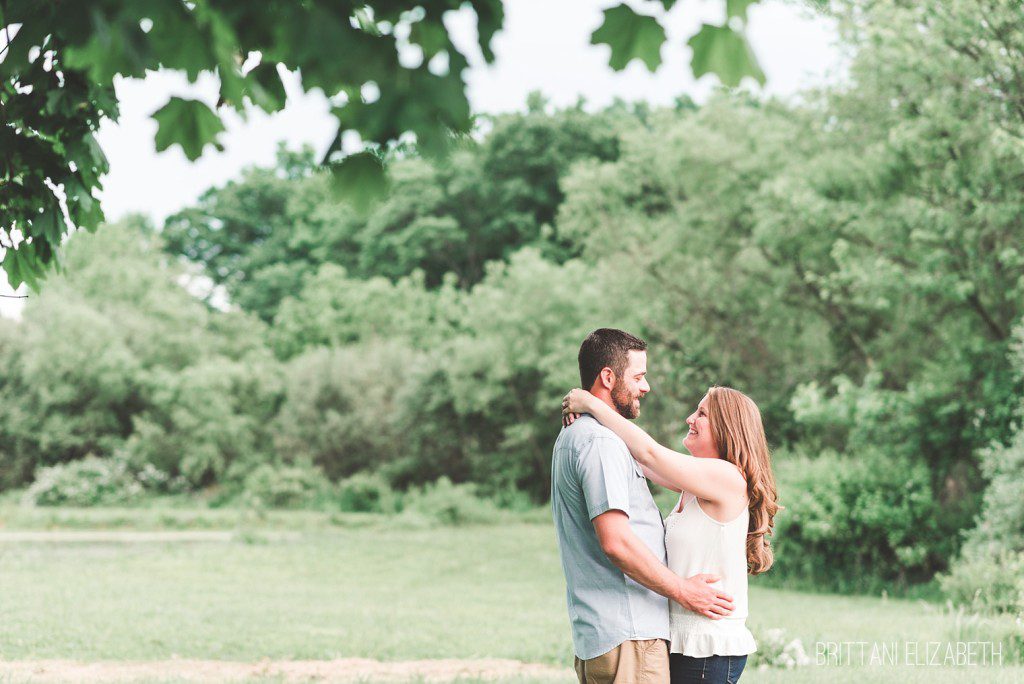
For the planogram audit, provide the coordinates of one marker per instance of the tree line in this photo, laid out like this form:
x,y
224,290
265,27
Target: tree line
x,y
852,261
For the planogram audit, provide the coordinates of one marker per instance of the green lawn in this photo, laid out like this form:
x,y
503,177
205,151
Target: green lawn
x,y
356,587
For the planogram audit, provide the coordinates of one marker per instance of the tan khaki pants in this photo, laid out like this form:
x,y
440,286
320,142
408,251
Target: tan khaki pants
x,y
631,662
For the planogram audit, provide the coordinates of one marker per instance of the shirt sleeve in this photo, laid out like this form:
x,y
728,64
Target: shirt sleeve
x,y
604,468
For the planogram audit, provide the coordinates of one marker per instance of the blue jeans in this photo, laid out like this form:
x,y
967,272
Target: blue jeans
x,y
713,669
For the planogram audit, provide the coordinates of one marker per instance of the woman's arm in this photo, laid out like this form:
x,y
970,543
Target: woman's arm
x,y
658,480
711,479
569,418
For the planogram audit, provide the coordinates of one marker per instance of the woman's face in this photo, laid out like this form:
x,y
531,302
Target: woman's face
x,y
699,441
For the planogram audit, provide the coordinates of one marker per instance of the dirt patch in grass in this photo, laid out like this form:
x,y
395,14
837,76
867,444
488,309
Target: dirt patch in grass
x,y
342,670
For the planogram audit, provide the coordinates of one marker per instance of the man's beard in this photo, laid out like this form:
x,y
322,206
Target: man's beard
x,y
626,403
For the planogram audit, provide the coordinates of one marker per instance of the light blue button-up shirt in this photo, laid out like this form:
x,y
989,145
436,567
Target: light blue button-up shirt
x,y
593,472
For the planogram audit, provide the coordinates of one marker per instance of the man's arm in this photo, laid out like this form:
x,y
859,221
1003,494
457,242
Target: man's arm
x,y
632,556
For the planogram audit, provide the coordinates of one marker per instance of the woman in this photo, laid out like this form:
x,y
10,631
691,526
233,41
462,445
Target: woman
x,y
720,524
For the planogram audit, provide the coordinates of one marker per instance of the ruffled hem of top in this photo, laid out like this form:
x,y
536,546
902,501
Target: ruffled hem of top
x,y
704,644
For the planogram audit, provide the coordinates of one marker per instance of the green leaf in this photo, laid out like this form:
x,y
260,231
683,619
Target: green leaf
x,y
738,8
490,15
22,265
114,47
233,87
667,4
49,225
31,34
176,40
54,102
724,52
88,158
263,85
189,123
630,36
99,158
360,178
10,266
430,36
83,208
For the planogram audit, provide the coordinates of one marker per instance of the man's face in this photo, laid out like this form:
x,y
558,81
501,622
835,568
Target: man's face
x,y
631,386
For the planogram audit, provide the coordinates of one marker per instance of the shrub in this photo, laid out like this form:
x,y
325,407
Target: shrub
x,y
153,479
450,504
1004,632
776,649
284,486
339,406
514,499
987,584
90,481
862,523
206,419
367,493
68,383
989,575
1001,523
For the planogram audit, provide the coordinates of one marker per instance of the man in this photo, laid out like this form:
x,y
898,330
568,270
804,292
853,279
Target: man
x,y
611,536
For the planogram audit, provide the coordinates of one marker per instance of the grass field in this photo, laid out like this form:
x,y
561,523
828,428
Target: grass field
x,y
364,587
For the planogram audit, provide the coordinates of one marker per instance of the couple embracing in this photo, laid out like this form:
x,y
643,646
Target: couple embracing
x,y
654,600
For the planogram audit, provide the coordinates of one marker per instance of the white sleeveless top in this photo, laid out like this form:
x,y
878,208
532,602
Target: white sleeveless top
x,y
697,543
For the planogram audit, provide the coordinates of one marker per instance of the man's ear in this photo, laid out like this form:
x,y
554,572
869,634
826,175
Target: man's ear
x,y
607,378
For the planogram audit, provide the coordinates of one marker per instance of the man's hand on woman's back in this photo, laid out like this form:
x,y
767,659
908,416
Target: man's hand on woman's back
x,y
630,555
697,594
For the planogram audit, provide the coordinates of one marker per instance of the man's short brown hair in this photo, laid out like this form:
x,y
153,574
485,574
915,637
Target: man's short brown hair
x,y
606,348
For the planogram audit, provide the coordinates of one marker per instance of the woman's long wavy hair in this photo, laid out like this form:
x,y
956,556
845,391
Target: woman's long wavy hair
x,y
739,435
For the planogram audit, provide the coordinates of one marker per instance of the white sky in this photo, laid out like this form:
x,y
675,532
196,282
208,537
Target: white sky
x,y
544,46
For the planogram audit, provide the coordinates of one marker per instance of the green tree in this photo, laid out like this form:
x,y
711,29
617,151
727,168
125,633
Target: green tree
x,y
209,423
902,231
341,406
335,310
660,234
59,61
261,237
67,395
485,201
482,405
104,345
